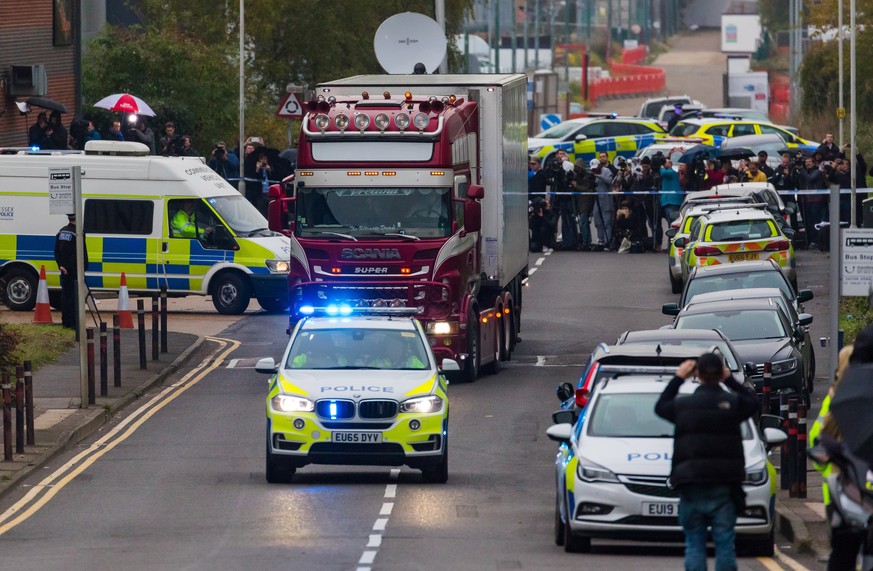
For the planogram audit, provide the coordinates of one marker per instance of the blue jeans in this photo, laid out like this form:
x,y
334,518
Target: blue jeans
x,y
712,505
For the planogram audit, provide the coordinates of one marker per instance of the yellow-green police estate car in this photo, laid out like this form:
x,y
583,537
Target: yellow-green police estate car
x,y
616,136
358,389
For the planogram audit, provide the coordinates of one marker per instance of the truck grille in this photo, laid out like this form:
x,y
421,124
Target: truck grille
x,y
334,409
377,409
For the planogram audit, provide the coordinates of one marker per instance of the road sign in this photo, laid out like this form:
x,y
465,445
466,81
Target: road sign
x,y
548,120
841,112
290,107
61,191
857,261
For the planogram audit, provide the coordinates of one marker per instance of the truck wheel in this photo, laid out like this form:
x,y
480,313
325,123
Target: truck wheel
x,y
19,289
231,294
273,304
493,367
471,365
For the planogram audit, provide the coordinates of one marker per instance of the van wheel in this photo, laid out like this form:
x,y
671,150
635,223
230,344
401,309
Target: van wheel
x,y
273,304
19,289
231,294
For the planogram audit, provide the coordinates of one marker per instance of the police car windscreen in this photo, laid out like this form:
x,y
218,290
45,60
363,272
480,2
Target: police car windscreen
x,y
372,212
628,415
740,325
357,348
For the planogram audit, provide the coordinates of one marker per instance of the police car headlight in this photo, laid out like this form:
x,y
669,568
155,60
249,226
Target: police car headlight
x,y
779,367
442,328
756,475
430,403
287,403
591,472
278,266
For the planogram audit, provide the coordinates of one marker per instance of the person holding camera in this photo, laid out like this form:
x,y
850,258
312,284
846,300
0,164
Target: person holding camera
x,y
708,463
584,198
224,162
538,207
169,143
645,202
142,133
560,178
815,205
749,172
672,194
604,202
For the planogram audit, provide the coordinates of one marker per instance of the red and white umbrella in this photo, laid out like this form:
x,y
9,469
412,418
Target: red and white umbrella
x,y
125,103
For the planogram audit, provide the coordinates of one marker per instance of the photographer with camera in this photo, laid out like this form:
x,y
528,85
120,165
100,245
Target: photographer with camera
x,y
538,207
604,203
142,133
584,198
645,203
169,143
815,206
561,180
224,162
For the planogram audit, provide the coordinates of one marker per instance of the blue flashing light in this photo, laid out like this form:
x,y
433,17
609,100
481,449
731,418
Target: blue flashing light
x,y
345,309
332,310
34,148
307,310
332,410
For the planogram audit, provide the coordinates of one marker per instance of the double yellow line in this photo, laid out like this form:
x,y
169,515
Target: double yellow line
x,y
42,493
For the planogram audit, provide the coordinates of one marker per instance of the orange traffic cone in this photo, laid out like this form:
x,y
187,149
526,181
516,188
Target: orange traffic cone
x,y
125,318
43,312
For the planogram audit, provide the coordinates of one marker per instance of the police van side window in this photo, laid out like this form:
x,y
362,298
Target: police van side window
x,y
189,218
108,216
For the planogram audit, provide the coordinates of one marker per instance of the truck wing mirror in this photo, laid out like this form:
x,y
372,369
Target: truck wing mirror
x,y
476,192
275,191
472,215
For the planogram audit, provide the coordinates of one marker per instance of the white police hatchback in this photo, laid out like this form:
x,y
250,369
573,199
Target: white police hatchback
x,y
613,466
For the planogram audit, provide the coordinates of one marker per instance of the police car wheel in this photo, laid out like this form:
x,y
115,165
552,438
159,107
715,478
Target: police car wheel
x,y
559,523
758,547
19,289
273,304
574,543
231,294
438,472
278,470
675,285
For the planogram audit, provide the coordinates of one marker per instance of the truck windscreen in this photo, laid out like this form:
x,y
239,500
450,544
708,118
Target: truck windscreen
x,y
373,212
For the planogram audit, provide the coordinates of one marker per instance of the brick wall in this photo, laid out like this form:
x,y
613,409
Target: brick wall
x,y
26,38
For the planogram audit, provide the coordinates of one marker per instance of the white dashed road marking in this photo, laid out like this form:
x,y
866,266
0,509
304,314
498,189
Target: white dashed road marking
x,y
539,261
375,539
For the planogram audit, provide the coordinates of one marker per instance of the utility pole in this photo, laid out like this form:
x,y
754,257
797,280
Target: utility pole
x,y
526,22
536,35
439,11
514,35
853,100
496,4
841,112
242,95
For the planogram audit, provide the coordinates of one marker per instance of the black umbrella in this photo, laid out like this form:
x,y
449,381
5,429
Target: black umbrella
x,y
700,152
852,405
47,103
735,153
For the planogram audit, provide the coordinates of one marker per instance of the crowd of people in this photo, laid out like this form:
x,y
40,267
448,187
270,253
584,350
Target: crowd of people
x,y
630,201
262,166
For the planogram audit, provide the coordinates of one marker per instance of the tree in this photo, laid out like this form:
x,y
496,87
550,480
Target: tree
x,y
181,78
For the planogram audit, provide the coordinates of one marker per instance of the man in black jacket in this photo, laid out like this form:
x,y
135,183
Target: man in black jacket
x,y
708,459
65,256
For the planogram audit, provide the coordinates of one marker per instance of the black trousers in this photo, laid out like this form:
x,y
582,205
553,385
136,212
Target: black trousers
x,y
845,545
68,301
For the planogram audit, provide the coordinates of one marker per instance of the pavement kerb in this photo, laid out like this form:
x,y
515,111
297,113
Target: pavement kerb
x,y
793,528
96,418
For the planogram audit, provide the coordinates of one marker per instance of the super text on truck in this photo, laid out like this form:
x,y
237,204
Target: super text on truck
x,y
130,202
411,191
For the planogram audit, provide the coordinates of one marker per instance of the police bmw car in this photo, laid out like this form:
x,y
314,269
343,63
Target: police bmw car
x,y
357,388
613,465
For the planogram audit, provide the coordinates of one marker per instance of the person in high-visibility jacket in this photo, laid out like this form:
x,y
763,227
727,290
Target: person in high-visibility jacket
x,y
320,361
184,223
845,542
394,359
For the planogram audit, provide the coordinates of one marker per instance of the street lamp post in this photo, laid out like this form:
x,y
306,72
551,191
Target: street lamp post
x,y
242,97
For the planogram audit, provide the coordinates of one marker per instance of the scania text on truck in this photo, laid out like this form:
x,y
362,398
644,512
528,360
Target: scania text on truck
x,y
411,191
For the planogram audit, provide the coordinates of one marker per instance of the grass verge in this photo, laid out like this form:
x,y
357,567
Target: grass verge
x,y
41,344
855,315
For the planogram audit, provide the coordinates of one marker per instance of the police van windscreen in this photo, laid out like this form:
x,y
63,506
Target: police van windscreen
x,y
239,214
374,212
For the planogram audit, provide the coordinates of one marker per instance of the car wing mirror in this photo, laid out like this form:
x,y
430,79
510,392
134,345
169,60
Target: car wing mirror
x,y
804,295
670,309
567,417
560,432
581,137
770,421
750,368
774,437
565,392
804,319
267,366
680,242
449,365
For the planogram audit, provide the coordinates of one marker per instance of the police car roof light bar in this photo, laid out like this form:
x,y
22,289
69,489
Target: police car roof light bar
x,y
344,310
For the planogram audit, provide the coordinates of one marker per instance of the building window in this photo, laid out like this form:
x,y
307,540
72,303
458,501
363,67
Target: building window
x,y
62,22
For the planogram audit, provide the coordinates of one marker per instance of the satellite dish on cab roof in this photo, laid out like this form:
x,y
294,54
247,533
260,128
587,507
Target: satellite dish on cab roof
x,y
406,39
